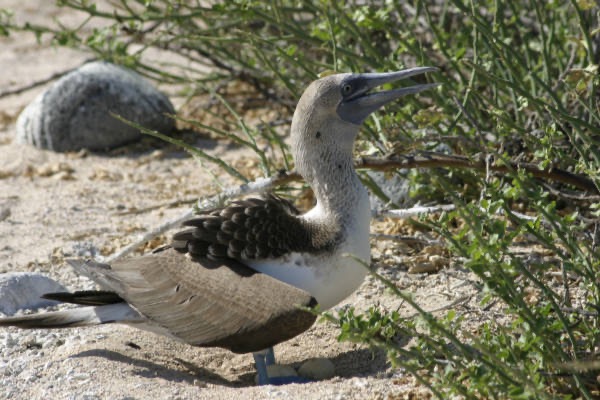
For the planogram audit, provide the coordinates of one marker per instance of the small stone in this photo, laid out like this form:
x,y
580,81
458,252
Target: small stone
x,y
10,341
78,377
52,340
75,112
90,396
85,250
4,213
30,378
317,369
22,290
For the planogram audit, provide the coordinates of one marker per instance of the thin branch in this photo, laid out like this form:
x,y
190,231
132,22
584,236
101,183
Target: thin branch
x,y
438,160
34,84
151,234
170,204
405,239
411,212
472,120
571,196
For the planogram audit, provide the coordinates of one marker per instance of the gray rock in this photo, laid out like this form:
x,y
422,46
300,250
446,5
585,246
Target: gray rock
x,y
22,290
396,187
74,113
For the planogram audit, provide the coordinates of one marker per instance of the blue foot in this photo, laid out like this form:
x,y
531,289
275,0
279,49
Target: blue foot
x,y
267,357
261,368
270,356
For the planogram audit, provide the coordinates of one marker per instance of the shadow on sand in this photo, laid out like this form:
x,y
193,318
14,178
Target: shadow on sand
x,y
353,363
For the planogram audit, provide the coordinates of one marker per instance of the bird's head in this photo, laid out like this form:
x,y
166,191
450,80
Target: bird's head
x,y
331,110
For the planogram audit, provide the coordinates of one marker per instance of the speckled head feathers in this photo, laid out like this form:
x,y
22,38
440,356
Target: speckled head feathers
x,y
330,112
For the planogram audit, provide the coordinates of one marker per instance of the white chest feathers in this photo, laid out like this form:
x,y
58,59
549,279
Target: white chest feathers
x,y
329,277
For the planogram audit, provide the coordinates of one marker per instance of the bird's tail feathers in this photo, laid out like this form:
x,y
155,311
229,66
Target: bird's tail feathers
x,y
85,297
84,316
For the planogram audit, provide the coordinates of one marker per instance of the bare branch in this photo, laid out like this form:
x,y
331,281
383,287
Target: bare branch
x,y
33,85
437,160
411,212
406,239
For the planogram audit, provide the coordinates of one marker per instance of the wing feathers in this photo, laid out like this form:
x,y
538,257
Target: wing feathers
x,y
252,229
85,298
208,303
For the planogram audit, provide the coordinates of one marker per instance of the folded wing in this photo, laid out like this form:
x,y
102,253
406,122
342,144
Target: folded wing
x,y
210,303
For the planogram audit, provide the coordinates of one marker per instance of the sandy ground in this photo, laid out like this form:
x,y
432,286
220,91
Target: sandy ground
x,y
50,202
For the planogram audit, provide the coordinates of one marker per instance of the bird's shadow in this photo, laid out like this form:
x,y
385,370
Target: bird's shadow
x,y
360,362
150,369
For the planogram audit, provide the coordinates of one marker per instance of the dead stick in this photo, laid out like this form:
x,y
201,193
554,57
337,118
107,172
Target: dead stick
x,y
34,84
436,160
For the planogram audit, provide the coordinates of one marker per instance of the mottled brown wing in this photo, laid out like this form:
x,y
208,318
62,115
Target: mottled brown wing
x,y
251,229
208,303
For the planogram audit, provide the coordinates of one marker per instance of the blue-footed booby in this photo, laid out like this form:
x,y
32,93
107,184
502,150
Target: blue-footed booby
x,y
240,277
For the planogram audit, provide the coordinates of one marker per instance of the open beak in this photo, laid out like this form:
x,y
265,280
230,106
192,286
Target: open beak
x,y
356,107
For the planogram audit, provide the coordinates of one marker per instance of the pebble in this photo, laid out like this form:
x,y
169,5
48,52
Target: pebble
x,y
78,377
22,290
87,396
9,341
74,113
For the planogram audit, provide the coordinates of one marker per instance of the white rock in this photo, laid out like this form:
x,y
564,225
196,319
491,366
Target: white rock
x,y
317,369
10,341
80,376
22,290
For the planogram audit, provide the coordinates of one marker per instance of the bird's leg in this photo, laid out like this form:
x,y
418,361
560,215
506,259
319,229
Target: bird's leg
x,y
266,358
270,356
261,367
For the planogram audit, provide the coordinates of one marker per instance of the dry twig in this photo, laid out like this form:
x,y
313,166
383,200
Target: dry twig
x,y
437,160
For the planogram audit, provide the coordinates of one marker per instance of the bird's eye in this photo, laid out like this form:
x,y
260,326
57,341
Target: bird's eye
x,y
346,89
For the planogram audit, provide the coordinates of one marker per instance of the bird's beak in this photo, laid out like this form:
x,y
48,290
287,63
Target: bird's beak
x,y
357,107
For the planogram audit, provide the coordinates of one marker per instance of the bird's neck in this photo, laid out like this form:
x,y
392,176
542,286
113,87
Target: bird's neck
x,y
341,197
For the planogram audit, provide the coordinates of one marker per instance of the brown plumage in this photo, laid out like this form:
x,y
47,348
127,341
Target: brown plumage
x,y
213,303
253,228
